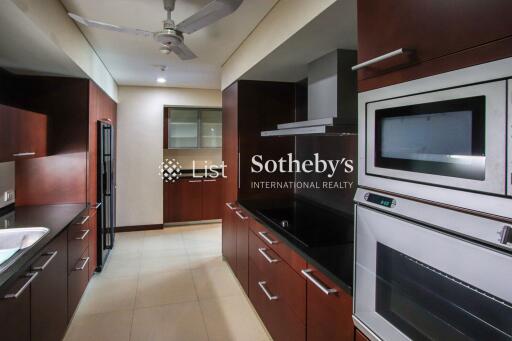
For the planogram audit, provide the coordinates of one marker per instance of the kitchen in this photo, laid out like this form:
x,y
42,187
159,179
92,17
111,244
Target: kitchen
x,y
331,170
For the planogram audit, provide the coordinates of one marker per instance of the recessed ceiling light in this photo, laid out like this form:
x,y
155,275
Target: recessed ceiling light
x,y
161,80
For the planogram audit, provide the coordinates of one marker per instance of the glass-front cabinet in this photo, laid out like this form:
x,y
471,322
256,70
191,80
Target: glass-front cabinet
x,y
194,128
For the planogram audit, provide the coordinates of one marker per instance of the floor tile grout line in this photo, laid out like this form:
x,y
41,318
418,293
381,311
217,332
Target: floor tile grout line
x,y
130,334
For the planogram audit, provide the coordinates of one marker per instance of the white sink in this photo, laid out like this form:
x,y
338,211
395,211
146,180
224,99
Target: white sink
x,y
16,241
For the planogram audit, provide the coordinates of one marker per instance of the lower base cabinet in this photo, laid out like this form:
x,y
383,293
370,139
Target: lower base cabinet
x,y
294,300
77,282
15,311
50,291
329,309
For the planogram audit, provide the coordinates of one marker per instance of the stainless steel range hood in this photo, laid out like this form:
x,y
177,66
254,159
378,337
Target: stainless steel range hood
x,y
332,98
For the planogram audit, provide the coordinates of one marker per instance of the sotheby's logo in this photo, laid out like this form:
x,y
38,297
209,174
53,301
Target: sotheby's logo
x,y
170,170
290,165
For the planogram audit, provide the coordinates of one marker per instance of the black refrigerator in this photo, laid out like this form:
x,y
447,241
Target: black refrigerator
x,y
106,191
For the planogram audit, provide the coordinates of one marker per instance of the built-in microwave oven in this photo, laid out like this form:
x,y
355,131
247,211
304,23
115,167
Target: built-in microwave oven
x,y
454,138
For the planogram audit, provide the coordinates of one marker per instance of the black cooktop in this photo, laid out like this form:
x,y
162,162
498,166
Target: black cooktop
x,y
310,224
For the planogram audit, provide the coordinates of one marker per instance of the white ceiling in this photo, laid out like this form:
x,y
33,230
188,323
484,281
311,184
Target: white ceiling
x,y
335,28
132,59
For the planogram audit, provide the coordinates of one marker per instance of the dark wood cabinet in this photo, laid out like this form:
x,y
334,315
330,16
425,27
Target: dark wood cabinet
x,y
49,292
212,199
183,200
440,35
77,281
15,311
24,134
78,240
229,235
190,199
329,310
242,248
93,241
277,292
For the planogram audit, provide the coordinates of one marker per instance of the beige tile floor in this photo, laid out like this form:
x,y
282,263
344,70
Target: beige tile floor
x,y
169,284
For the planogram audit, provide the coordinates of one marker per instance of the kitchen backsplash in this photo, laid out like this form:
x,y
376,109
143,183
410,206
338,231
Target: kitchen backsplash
x,y
6,181
212,156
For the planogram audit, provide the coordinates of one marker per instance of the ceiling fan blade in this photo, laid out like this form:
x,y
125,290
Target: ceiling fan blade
x,y
213,11
183,52
109,27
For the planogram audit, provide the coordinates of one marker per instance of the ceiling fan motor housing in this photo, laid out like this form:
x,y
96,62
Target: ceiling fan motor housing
x,y
169,37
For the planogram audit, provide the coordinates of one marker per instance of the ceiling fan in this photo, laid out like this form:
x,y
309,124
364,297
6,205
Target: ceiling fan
x,y
171,37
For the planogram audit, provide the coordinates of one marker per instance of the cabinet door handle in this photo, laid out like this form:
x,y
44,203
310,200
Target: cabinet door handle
x,y
24,154
308,274
81,268
97,206
210,180
82,237
31,276
241,216
194,181
84,220
230,205
380,58
42,267
269,295
263,251
264,235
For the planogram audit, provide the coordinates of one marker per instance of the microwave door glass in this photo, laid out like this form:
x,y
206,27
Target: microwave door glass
x,y
442,138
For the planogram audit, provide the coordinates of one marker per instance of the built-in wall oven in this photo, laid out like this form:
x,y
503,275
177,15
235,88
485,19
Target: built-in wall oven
x,y
425,272
446,138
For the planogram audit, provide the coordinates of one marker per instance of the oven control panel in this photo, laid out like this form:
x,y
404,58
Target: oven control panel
x,y
380,200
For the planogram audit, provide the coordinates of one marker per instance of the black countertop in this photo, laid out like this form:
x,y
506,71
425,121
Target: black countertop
x,y
334,257
53,217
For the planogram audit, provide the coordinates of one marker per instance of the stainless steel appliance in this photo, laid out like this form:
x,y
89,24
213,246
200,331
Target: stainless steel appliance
x,y
106,197
425,272
446,138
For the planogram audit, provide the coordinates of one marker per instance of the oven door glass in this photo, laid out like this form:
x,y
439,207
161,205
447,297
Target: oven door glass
x,y
453,138
416,283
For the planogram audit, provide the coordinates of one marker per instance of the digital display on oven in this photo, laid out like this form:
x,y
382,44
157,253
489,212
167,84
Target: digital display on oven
x,y
380,200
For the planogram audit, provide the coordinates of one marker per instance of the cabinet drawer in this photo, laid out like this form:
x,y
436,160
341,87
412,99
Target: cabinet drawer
x,y
329,315
78,240
268,300
287,284
77,281
273,242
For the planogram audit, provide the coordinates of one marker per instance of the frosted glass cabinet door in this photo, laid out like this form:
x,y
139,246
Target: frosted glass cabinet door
x,y
211,128
183,128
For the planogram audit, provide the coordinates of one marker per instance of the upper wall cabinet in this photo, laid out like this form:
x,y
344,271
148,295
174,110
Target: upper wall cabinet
x,y
193,128
436,37
23,135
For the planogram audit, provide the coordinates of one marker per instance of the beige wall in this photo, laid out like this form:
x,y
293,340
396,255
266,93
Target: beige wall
x,y
51,18
140,148
286,18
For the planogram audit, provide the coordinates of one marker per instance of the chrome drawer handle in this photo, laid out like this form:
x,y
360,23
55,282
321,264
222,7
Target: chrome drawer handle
x,y
209,180
263,251
269,295
230,206
241,216
42,267
24,154
31,276
194,181
81,268
317,283
83,221
264,235
82,237
380,58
